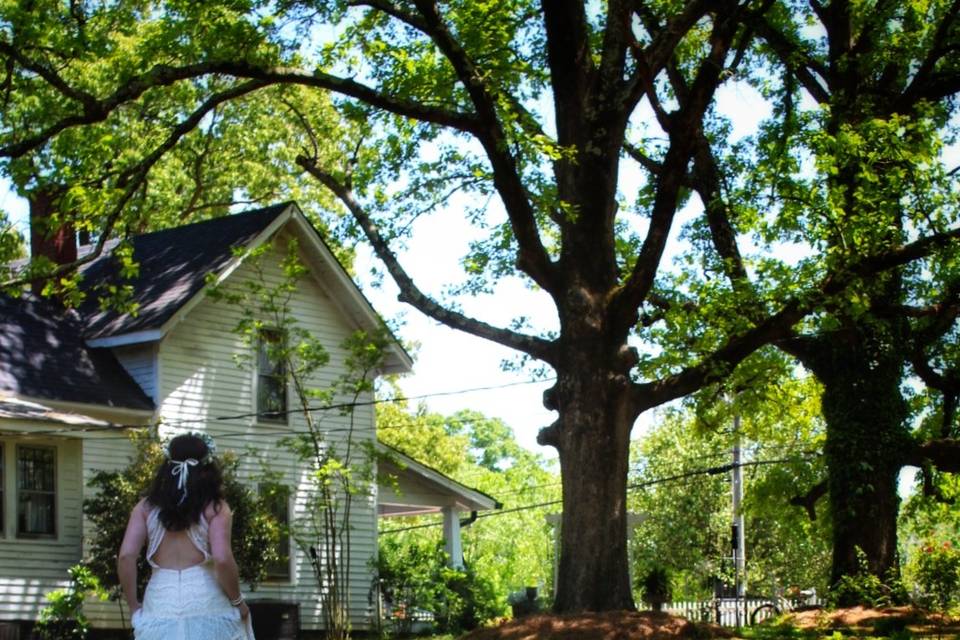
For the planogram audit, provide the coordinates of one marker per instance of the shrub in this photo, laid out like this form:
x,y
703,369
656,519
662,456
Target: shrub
x,y
867,589
937,573
255,532
63,618
656,587
414,577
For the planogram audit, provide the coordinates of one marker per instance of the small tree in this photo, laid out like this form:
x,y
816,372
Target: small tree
x,y
937,571
63,618
341,468
656,587
255,532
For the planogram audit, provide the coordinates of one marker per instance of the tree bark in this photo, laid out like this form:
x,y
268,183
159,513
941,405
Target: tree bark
x,y
866,442
592,435
594,455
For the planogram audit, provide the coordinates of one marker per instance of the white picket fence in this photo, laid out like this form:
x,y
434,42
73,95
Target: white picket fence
x,y
731,612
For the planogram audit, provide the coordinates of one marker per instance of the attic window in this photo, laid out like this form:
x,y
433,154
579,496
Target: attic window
x,y
271,379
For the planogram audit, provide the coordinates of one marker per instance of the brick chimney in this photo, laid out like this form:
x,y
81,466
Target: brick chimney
x,y
50,238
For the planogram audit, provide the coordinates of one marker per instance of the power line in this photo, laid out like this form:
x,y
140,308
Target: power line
x,y
638,485
227,419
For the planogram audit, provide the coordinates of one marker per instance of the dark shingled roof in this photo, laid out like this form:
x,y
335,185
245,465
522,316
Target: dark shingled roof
x,y
43,355
173,267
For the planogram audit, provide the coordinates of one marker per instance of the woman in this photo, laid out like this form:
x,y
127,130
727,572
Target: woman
x,y
194,588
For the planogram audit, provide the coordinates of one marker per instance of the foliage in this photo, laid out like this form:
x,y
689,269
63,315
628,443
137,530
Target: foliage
x,y
62,618
502,469
656,587
867,589
255,532
442,108
680,486
415,577
937,573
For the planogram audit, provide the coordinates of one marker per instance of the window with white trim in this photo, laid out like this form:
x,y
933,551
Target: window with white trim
x,y
271,379
36,491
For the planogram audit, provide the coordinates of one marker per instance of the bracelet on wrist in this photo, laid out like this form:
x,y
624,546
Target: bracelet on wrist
x,y
237,601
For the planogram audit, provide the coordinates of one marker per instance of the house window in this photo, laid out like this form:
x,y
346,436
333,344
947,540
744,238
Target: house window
x,y
271,379
276,499
36,492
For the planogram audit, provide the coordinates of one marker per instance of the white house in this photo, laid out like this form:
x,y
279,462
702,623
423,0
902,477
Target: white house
x,y
73,381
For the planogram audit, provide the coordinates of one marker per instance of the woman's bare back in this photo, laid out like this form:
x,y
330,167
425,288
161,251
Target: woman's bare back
x,y
177,551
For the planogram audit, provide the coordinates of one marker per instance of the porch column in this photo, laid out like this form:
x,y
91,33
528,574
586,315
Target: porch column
x,y
451,537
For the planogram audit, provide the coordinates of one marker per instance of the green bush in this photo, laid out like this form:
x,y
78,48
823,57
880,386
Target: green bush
x,y
656,587
937,572
867,589
414,577
256,533
63,618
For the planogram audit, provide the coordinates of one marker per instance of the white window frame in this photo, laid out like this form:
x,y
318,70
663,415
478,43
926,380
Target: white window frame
x,y
17,534
283,420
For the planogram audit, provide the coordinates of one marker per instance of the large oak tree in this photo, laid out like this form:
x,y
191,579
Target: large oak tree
x,y
532,104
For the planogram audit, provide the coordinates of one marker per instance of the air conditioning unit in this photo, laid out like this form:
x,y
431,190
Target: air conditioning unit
x,y
275,619
9,631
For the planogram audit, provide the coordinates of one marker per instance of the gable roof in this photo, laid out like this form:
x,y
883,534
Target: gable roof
x,y
43,355
403,469
173,268
174,265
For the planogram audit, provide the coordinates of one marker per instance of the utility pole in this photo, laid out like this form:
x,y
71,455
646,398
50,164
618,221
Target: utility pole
x,y
738,538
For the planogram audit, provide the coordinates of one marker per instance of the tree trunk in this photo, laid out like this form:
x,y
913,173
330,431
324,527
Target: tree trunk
x,y
593,442
866,440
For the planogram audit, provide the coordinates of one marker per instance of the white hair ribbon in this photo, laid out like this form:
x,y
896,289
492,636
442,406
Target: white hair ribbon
x,y
181,468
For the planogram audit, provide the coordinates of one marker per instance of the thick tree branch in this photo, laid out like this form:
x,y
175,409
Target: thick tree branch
x,y
410,293
943,453
163,75
926,83
809,500
571,65
627,299
532,258
797,61
780,325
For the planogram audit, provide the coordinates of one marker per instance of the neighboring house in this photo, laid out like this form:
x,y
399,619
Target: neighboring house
x,y
73,381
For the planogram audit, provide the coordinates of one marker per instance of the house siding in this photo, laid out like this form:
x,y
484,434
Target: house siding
x,y
140,361
201,387
30,568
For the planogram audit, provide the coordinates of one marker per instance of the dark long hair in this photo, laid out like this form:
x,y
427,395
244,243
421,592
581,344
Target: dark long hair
x,y
204,484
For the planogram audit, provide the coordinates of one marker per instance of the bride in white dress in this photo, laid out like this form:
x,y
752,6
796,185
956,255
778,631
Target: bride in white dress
x,y
194,587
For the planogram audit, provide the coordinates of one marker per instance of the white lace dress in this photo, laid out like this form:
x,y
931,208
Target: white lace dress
x,y
186,604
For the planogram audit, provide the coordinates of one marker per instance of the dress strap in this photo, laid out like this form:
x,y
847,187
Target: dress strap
x,y
155,533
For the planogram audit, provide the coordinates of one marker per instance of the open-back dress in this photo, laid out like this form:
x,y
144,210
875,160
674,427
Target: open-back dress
x,y
186,604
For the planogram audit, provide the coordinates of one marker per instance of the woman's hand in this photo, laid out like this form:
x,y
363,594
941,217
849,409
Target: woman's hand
x,y
244,611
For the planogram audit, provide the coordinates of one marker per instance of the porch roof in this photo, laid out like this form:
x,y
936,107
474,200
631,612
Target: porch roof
x,y
409,487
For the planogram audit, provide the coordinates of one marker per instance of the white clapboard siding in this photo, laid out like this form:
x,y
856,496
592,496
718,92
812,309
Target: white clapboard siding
x,y
199,381
103,452
140,361
30,568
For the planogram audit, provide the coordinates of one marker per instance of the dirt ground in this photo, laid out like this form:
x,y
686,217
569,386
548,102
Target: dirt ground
x,y
862,619
647,625
616,625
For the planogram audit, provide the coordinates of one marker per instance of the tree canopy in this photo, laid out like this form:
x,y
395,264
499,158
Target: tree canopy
x,y
538,115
